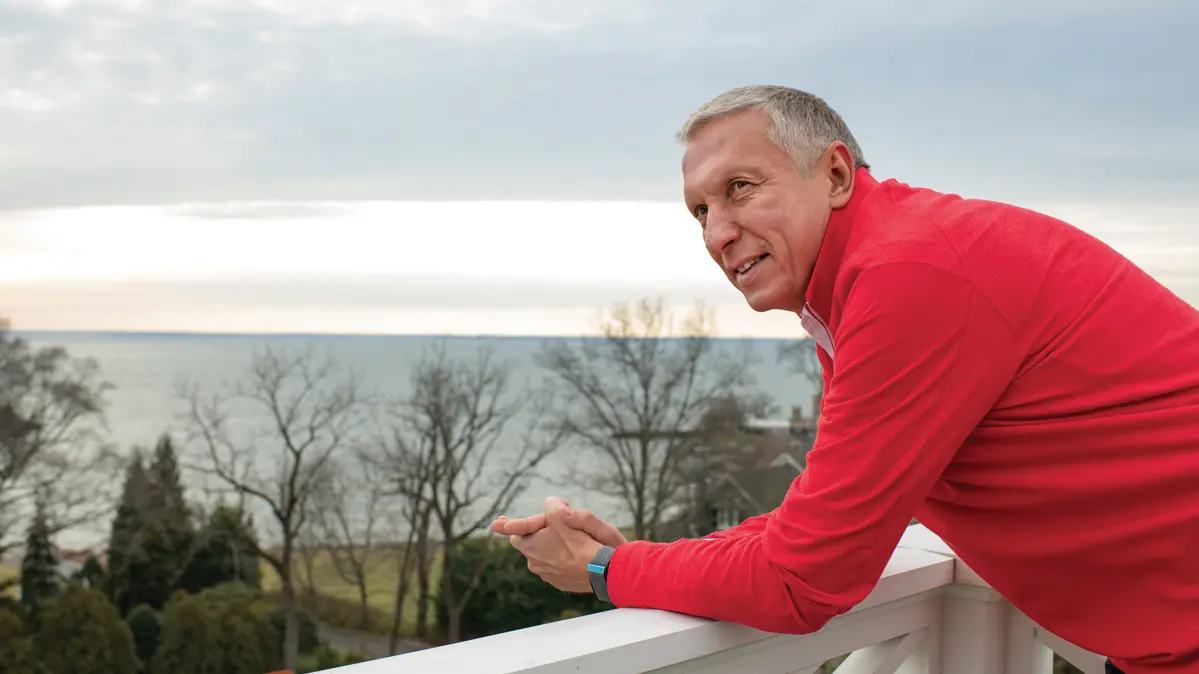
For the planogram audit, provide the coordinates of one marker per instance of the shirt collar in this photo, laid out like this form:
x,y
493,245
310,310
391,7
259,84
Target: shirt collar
x,y
835,245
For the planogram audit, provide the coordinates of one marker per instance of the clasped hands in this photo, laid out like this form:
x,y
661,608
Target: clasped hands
x,y
560,543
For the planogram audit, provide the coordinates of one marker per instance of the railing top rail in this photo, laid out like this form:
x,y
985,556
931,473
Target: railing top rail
x,y
645,639
918,537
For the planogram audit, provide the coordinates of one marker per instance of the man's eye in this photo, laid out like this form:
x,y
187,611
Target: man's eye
x,y
737,184
701,211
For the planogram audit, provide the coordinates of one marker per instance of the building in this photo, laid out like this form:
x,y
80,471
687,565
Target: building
x,y
752,478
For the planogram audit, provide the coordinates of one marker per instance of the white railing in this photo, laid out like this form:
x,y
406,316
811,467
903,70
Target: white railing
x,y
929,613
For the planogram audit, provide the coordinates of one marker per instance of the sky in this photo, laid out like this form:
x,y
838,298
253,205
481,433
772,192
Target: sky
x,y
509,166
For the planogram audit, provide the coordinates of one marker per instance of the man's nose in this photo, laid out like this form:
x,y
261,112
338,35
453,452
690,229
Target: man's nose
x,y
719,232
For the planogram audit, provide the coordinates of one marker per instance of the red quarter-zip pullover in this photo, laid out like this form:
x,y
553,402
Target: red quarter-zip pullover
x,y
1025,391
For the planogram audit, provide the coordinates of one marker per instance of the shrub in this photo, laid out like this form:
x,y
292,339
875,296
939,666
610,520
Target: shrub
x,y
309,637
17,654
267,608
146,626
223,631
248,643
508,596
326,657
189,637
80,632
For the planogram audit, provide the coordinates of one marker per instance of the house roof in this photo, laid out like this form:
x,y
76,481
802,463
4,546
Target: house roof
x,y
761,489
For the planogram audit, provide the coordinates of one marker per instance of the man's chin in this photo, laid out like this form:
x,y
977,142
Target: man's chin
x,y
760,304
763,302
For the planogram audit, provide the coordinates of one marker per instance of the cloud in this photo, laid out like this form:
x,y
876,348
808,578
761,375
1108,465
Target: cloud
x,y
332,293
441,17
550,242
111,101
399,304
422,267
258,211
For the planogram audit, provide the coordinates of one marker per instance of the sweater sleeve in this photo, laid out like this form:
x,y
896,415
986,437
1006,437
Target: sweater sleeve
x,y
753,525
921,358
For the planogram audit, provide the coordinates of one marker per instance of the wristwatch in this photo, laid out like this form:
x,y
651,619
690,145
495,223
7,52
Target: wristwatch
x,y
597,570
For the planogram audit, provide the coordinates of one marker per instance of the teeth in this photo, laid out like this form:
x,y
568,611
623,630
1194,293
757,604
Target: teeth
x,y
745,267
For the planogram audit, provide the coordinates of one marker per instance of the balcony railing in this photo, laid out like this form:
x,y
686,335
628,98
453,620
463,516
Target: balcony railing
x,y
929,613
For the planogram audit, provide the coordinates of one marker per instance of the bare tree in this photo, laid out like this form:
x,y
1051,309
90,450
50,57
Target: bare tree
x,y
309,547
455,428
405,514
349,506
408,515
409,467
634,397
800,358
52,437
294,414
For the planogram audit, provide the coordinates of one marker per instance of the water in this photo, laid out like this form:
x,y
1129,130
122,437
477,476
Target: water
x,y
146,369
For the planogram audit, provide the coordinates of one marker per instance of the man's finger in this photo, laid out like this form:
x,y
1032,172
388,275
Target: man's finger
x,y
521,527
554,504
598,529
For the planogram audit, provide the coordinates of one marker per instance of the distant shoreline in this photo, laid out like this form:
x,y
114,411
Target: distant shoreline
x,y
336,335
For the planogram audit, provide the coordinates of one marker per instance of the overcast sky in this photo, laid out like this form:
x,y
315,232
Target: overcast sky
x,y
303,165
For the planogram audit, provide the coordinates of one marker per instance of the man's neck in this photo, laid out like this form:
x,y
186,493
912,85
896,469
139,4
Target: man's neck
x,y
836,240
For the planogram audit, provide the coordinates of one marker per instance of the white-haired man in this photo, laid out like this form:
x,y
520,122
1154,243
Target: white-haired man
x,y
1025,391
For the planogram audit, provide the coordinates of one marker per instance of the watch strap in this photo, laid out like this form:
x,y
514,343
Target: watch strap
x,y
597,571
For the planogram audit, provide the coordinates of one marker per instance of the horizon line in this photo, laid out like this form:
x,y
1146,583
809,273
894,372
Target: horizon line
x,y
295,335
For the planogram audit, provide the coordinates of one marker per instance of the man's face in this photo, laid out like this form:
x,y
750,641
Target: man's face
x,y
763,220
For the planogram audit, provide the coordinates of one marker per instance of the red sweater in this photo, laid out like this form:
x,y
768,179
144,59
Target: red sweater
x,y
1025,391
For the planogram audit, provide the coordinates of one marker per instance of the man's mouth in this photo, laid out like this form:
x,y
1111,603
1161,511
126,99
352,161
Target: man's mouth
x,y
750,264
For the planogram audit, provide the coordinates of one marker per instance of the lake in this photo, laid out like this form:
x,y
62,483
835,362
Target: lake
x,y
145,370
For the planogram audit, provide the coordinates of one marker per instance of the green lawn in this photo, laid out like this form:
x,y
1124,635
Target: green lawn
x,y
381,586
9,572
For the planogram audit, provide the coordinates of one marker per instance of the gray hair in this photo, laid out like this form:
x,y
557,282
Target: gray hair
x,y
800,123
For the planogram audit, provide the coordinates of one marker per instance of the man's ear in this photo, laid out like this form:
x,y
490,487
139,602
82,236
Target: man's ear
x,y
839,166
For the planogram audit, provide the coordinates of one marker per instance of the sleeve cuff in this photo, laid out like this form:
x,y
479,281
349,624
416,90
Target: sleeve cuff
x,y
624,571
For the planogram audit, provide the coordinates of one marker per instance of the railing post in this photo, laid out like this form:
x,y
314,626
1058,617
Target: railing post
x,y
976,636
1025,653
981,631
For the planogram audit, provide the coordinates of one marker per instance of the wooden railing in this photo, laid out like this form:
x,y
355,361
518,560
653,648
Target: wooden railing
x,y
929,613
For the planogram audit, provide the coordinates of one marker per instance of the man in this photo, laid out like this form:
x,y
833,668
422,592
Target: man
x,y
1026,392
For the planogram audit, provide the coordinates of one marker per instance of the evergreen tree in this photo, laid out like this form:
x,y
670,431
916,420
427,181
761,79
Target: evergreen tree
x,y
40,579
167,500
167,534
225,551
91,574
152,534
80,633
125,551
